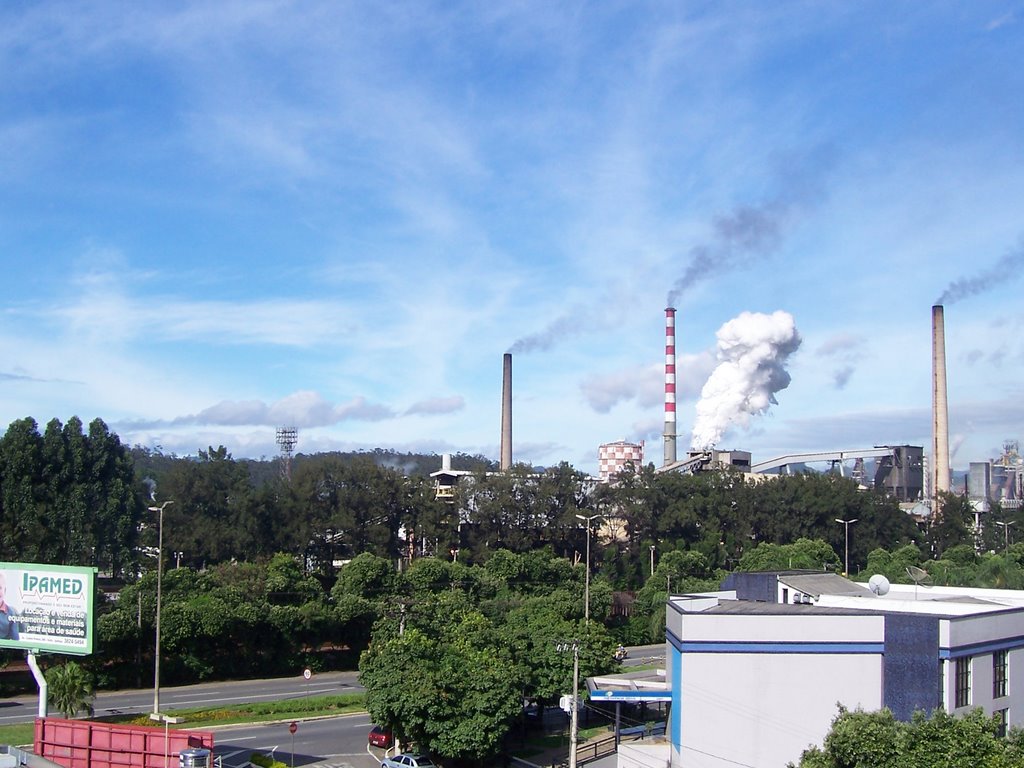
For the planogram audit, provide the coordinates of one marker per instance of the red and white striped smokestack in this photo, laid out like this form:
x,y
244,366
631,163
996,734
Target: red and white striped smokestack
x,y
670,385
506,413
940,411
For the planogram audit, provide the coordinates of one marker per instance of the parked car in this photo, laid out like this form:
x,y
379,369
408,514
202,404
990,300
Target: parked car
x,y
408,761
381,737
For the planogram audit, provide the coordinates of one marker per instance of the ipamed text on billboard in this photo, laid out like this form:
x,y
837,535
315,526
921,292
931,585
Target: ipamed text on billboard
x,y
46,607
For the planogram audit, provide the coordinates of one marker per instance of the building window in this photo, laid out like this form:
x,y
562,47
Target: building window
x,y
963,682
998,674
1000,715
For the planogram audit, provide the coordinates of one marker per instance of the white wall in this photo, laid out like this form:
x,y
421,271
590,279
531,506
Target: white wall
x,y
643,756
764,709
760,706
985,628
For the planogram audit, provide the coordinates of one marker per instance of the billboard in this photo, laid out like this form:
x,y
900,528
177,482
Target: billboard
x,y
47,607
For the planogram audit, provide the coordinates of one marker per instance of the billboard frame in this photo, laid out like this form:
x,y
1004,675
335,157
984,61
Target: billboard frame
x,y
53,607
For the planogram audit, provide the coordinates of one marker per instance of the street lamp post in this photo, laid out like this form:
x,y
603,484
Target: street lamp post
x,y
652,559
159,578
1006,533
586,592
846,526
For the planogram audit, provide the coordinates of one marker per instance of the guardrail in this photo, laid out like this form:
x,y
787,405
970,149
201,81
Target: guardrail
x,y
596,748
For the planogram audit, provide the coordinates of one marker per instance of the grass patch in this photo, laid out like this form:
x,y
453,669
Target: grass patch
x,y
17,735
206,717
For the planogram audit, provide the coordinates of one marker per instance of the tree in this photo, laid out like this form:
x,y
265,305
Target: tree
x,y
66,497
861,739
532,633
70,689
894,565
210,498
951,524
454,696
802,554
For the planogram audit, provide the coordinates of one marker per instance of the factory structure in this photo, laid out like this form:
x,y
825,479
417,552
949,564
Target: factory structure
x,y
1000,481
903,471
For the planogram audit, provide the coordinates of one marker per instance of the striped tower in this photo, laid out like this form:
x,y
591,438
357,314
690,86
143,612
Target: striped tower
x,y
940,410
670,386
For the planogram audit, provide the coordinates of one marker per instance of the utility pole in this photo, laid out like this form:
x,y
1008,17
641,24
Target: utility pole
x,y
574,723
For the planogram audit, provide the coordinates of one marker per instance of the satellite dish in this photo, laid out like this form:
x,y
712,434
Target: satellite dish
x,y
878,584
919,576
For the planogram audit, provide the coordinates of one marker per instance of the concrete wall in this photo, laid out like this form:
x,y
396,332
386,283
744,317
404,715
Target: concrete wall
x,y
758,690
643,756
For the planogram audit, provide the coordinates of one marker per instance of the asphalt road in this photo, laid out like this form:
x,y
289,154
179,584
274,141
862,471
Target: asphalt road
x,y
140,701
334,741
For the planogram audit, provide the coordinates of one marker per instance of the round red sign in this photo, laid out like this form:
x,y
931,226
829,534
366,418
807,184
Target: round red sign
x,y
293,727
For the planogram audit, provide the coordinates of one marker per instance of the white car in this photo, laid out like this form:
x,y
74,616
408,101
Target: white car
x,y
408,761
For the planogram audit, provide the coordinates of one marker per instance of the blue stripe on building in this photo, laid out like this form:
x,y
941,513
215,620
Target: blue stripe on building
x,y
1005,644
719,646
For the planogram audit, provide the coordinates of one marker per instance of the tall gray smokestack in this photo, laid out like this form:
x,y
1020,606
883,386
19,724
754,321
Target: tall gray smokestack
x,y
940,411
506,414
670,386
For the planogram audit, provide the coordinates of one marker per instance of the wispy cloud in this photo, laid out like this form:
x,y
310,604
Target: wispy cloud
x,y
437,405
300,409
645,385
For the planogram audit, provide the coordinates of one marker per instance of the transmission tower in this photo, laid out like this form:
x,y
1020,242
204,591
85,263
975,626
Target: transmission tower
x,y
287,437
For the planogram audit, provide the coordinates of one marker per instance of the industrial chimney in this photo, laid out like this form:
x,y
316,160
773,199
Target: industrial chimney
x,y
670,386
506,414
940,411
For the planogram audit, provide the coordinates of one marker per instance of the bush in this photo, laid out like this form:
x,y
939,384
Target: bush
x,y
265,762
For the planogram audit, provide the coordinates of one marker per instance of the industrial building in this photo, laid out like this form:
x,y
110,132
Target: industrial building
x,y
613,458
757,670
999,481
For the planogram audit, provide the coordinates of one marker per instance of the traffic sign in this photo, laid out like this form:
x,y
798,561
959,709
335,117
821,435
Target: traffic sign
x,y
307,673
293,727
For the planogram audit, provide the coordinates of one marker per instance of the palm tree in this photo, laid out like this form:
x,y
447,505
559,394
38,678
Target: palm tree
x,y
70,689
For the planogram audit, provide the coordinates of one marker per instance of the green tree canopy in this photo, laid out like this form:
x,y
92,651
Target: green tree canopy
x,y
801,554
859,739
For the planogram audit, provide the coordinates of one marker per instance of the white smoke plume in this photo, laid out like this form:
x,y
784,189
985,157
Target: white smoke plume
x,y
752,351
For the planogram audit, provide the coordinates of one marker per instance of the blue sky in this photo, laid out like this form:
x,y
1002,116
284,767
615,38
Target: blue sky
x,y
220,218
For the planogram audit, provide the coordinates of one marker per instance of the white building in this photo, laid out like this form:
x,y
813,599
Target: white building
x,y
757,671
